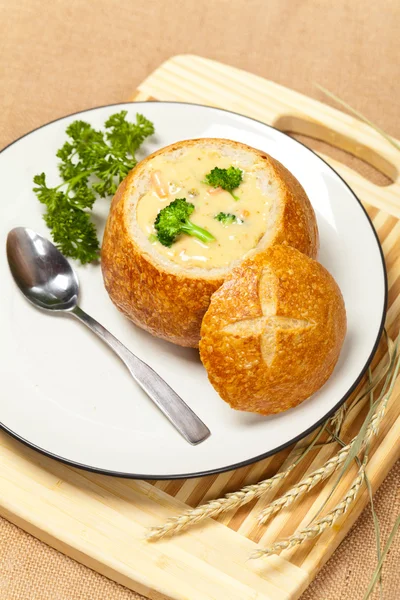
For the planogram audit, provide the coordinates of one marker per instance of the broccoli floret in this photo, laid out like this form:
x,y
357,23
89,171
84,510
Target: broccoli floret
x,y
227,179
173,220
225,218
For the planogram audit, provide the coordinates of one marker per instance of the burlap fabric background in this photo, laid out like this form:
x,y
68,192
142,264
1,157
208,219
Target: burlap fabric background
x,y
60,56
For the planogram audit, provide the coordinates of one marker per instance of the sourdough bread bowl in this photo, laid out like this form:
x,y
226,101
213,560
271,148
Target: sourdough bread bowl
x,y
273,332
166,290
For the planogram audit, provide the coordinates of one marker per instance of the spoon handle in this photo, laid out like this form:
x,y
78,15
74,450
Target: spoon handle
x,y
168,401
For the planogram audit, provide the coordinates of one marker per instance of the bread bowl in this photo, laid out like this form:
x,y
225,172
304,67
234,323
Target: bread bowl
x,y
273,332
167,290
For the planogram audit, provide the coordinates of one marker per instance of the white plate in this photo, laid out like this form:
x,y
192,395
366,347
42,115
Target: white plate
x,y
64,393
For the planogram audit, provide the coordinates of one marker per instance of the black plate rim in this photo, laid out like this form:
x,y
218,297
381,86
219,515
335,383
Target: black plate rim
x,y
296,439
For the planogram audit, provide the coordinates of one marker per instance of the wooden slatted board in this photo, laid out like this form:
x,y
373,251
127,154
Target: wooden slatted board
x,y
101,521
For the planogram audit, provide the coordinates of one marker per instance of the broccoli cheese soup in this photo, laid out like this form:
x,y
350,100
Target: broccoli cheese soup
x,y
227,213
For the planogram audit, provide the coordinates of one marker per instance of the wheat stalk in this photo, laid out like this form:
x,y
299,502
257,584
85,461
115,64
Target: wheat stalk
x,y
230,501
216,507
235,500
337,420
368,430
306,484
360,116
331,465
316,528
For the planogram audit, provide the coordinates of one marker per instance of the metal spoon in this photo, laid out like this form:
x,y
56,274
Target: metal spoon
x,y
47,280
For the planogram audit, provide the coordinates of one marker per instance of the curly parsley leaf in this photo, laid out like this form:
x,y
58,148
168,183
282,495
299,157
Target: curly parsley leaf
x,y
72,229
93,163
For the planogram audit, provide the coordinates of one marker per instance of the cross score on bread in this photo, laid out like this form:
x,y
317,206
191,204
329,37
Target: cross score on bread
x,y
269,323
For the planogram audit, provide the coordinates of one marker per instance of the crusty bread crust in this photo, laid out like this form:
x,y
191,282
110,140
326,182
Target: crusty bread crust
x,y
273,332
297,224
168,302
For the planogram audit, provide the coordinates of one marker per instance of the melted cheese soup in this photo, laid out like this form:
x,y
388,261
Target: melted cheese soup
x,y
183,177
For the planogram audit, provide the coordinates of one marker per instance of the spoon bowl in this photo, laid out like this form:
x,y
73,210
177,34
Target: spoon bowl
x,y
41,272
48,281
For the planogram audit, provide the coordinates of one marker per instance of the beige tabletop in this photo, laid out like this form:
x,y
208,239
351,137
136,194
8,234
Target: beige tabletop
x,y
60,56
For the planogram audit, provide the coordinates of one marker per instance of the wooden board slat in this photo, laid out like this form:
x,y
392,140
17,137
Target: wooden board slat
x,y
101,521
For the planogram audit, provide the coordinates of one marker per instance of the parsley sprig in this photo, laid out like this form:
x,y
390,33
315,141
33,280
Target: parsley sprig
x,y
93,163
